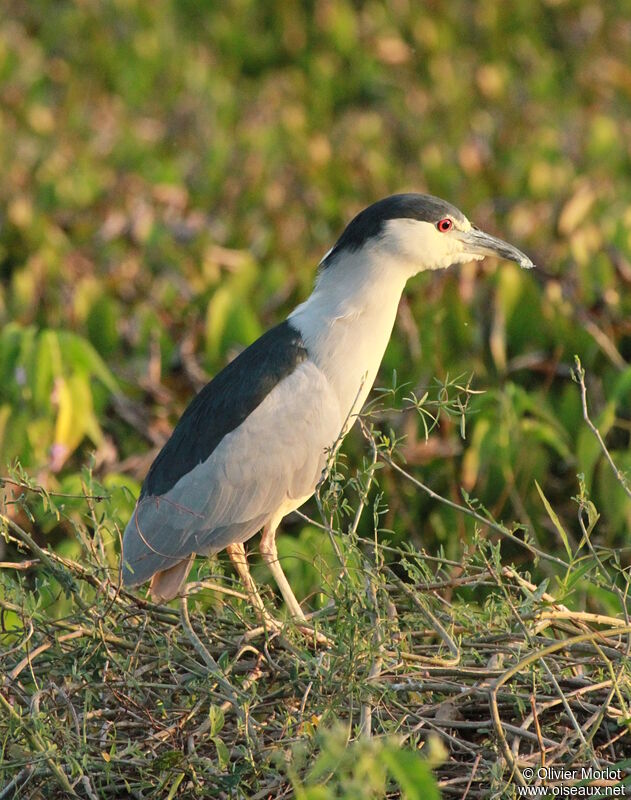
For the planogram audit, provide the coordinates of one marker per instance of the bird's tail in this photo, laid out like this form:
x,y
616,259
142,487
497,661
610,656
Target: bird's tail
x,y
166,584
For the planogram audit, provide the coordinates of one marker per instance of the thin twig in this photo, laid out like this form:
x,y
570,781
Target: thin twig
x,y
579,372
474,515
214,668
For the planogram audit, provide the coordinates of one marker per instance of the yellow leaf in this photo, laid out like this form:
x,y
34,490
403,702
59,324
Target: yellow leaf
x,y
75,418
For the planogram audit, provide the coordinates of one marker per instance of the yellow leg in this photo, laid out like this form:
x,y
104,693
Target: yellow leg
x,y
240,561
270,556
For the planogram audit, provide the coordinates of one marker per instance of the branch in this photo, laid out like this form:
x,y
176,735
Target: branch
x,y
579,374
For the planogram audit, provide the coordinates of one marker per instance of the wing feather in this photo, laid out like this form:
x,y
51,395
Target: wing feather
x,y
274,457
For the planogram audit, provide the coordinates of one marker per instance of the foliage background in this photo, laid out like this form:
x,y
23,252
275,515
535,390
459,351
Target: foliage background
x,y
172,172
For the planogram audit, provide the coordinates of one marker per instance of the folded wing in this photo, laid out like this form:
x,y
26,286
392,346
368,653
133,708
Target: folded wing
x,y
273,459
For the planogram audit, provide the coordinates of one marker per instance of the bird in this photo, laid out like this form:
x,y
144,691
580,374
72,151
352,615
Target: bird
x,y
254,443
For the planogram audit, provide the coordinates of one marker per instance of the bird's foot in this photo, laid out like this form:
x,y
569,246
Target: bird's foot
x,y
273,627
317,637
268,622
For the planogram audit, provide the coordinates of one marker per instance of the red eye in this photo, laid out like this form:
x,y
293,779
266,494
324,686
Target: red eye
x,y
444,225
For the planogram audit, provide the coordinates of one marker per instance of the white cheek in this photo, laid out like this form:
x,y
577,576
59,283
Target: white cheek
x,y
420,246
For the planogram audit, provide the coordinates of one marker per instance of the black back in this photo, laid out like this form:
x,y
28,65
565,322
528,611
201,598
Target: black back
x,y
370,222
224,403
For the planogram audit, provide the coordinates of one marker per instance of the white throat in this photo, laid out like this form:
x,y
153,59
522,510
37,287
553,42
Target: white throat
x,y
347,321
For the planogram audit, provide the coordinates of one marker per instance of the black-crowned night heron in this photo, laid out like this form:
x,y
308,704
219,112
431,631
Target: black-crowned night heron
x,y
252,445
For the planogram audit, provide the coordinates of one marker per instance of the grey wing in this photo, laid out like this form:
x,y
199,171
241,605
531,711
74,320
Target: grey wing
x,y
272,461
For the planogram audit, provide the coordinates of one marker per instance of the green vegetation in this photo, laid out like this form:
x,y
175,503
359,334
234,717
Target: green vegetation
x,y
172,172
466,668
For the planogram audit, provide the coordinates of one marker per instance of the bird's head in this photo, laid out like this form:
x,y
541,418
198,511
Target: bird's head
x,y
420,232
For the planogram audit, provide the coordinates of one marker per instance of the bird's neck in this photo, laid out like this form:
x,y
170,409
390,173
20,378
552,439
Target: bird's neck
x,y
347,321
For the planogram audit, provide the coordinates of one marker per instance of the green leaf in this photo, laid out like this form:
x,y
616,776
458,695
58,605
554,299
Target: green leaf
x,y
223,754
314,793
168,760
79,355
216,319
576,575
216,720
43,373
412,774
555,521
